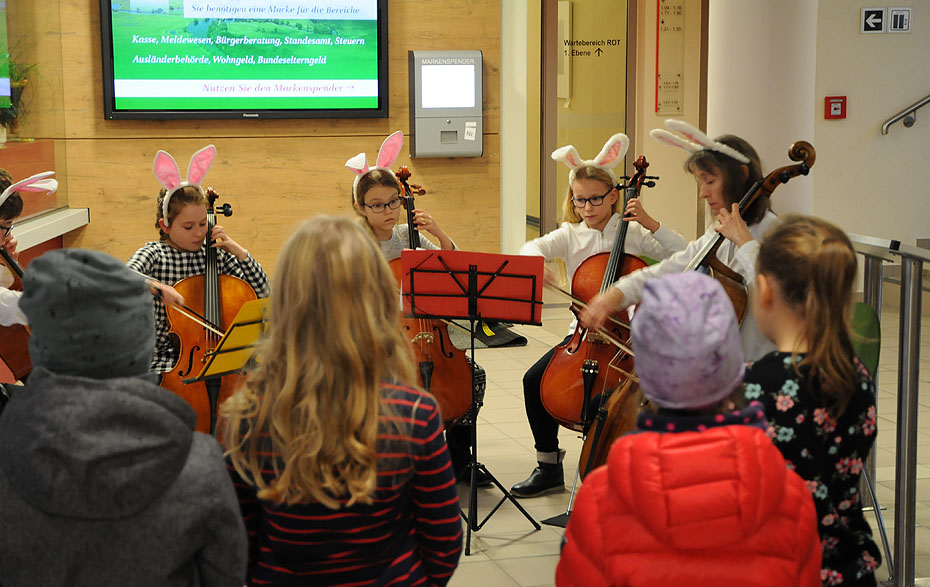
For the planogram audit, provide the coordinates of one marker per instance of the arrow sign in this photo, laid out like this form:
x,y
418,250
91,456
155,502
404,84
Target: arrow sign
x,y
872,21
598,51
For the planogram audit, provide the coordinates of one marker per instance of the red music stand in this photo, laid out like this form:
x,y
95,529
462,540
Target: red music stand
x,y
474,286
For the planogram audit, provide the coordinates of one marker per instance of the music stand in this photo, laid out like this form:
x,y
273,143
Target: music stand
x,y
234,350
474,286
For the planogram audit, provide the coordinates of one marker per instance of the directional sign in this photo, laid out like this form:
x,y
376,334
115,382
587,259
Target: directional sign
x,y
899,20
872,21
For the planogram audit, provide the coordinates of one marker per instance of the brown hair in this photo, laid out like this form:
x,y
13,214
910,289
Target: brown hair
x,y
374,178
814,266
13,206
569,212
737,177
184,196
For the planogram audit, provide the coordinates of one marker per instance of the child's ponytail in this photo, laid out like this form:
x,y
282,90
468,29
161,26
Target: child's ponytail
x,y
832,270
814,265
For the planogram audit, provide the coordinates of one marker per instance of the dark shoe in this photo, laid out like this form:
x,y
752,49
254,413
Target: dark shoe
x,y
482,480
542,481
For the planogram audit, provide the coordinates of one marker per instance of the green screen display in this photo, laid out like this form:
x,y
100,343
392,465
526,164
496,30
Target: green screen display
x,y
237,57
4,60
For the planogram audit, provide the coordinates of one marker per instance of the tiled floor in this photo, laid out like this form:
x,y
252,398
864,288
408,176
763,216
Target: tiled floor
x,y
507,551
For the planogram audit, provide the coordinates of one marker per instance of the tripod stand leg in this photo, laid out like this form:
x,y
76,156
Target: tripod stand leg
x,y
471,519
561,520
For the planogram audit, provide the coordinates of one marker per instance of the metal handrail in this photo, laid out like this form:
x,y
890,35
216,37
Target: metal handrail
x,y
909,115
876,251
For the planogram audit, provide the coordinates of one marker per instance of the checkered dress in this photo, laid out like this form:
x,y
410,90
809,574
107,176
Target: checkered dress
x,y
169,265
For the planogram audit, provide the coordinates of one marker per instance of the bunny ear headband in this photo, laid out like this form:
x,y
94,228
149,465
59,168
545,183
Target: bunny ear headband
x,y
694,140
168,174
609,157
35,183
387,154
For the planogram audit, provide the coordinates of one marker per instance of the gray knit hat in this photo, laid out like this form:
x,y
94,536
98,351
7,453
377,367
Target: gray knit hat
x,y
89,315
686,341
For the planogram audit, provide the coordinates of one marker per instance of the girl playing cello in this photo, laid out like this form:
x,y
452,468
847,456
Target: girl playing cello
x,y
181,219
376,200
11,206
591,210
725,168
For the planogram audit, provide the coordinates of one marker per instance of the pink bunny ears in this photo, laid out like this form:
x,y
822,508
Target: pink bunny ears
x,y
694,140
168,174
387,154
36,183
609,157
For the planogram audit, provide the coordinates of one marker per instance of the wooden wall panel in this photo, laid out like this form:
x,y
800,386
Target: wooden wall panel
x,y
274,172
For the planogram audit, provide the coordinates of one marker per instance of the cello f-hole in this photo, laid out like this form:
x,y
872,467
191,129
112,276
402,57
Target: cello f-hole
x,y
442,343
190,361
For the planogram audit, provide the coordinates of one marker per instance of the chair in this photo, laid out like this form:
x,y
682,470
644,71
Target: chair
x,y
867,335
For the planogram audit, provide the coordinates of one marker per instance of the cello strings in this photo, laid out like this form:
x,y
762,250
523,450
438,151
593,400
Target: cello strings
x,y
183,309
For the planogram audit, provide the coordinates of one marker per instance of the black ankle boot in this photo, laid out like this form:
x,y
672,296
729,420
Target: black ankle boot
x,y
546,478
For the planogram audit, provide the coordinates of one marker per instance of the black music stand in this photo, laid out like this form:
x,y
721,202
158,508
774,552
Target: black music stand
x,y
474,286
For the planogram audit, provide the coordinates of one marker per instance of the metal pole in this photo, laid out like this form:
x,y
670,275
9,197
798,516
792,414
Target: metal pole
x,y
872,297
905,496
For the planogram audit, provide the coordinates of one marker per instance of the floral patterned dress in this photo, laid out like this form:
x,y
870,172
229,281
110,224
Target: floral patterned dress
x,y
828,453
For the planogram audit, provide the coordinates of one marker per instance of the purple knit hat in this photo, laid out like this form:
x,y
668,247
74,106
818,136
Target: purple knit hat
x,y
686,342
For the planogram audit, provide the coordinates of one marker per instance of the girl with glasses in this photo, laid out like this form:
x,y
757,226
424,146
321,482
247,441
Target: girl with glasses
x,y
376,199
592,218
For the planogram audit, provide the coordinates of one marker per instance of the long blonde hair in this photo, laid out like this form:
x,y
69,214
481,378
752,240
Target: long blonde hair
x,y
814,264
315,398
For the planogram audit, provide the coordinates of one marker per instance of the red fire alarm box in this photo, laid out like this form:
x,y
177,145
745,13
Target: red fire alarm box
x,y
834,107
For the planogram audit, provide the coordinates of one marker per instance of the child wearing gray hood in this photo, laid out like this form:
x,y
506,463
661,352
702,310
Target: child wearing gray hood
x,y
103,480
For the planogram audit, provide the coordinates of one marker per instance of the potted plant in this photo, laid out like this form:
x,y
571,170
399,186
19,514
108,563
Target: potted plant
x,y
19,78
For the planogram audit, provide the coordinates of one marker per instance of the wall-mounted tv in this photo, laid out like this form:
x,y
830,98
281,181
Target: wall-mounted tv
x,y
165,59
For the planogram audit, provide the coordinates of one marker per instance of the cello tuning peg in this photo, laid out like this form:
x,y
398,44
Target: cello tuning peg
x,y
225,210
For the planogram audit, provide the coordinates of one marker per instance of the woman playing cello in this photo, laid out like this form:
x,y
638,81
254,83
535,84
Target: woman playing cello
x,y
725,168
592,222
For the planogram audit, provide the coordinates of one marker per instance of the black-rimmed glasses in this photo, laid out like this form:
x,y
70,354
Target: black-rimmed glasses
x,y
379,207
595,200
5,229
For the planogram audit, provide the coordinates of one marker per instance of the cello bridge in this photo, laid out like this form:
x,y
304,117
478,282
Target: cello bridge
x,y
426,337
597,338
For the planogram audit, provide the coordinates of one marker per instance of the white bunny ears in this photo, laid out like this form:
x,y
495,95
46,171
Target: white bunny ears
x,y
694,140
168,174
610,156
35,183
387,154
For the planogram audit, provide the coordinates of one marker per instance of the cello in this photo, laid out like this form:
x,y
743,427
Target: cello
x,y
594,355
217,298
618,413
706,259
442,369
14,340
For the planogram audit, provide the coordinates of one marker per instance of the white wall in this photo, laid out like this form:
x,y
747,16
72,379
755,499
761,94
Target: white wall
x,y
760,83
865,182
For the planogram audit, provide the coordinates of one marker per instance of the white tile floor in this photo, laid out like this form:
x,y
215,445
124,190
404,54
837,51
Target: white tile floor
x,y
507,551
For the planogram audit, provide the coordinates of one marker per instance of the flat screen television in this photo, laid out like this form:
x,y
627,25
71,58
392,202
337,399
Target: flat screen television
x,y
191,59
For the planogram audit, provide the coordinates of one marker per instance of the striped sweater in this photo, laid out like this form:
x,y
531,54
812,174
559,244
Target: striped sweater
x,y
411,534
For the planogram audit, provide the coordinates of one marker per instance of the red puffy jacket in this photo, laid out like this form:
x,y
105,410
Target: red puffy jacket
x,y
693,508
